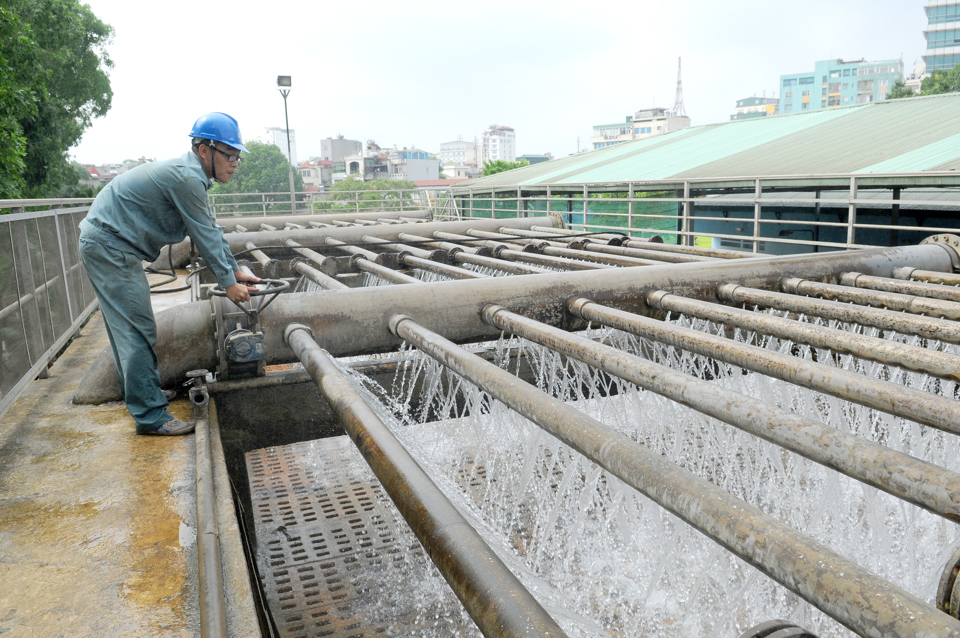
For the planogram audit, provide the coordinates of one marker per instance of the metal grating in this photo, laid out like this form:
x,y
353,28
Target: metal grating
x,y
334,554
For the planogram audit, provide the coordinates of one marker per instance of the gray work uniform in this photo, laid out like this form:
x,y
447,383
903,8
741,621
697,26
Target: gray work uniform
x,y
131,219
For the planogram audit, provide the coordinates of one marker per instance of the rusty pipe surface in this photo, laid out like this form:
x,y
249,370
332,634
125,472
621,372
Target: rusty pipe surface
x,y
926,327
383,272
354,250
446,270
940,412
945,278
477,256
546,248
890,300
322,279
357,322
434,255
939,364
509,252
653,243
859,599
491,594
924,484
272,268
308,253
595,245
890,284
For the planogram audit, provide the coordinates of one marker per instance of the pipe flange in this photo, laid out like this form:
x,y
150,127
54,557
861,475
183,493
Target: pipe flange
x,y
453,251
557,219
850,279
484,251
489,314
727,292
903,272
791,285
777,629
395,321
654,298
293,327
575,306
950,242
948,594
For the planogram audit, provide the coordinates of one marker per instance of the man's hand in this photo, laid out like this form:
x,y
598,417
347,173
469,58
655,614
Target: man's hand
x,y
240,291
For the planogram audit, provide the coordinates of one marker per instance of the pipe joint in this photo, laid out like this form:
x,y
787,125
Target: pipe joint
x,y
575,306
727,292
903,272
293,327
395,321
489,314
849,279
791,285
655,298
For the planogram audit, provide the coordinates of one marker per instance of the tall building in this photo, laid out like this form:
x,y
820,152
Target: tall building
x,y
278,137
458,152
835,83
336,148
751,107
641,125
499,143
942,34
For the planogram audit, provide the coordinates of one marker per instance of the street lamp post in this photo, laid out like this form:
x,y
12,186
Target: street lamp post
x,y
285,84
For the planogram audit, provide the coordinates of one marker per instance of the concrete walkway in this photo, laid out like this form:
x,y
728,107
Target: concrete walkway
x,y
97,525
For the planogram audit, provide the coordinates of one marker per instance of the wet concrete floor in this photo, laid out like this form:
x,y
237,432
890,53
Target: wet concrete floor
x,y
97,524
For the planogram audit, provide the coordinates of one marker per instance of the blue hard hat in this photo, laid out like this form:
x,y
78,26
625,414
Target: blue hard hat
x,y
219,127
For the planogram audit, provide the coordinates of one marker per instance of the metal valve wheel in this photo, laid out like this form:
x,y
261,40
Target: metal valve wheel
x,y
274,286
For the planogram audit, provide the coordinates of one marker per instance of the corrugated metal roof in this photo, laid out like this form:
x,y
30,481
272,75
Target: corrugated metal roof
x,y
908,135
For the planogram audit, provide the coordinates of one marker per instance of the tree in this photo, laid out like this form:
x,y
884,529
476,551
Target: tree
x,y
264,169
377,194
499,166
941,81
899,90
53,82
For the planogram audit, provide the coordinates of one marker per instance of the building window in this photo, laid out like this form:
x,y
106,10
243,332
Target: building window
x,y
834,74
789,94
787,107
792,82
805,105
807,80
846,98
884,82
846,85
806,93
865,85
846,72
834,100
834,87
865,98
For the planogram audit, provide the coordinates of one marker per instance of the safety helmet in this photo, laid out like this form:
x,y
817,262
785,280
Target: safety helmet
x,y
219,127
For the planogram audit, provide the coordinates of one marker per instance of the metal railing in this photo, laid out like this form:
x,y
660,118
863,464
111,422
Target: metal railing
x,y
438,201
762,215
44,293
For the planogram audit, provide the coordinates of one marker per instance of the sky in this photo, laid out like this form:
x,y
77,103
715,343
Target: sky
x,y
418,73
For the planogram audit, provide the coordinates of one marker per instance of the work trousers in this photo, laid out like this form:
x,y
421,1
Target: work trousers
x,y
121,287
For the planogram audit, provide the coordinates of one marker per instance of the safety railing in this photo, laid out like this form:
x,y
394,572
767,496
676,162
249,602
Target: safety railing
x,y
437,200
44,293
778,215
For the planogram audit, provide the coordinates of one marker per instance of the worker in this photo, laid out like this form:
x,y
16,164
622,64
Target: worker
x,y
131,219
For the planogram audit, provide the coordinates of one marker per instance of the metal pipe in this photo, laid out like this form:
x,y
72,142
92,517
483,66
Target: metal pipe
x,y
383,272
476,256
918,482
355,250
433,255
322,279
890,300
272,268
508,252
589,243
308,253
446,270
357,323
547,249
265,226
926,327
860,600
601,236
886,284
907,272
213,612
652,244
491,594
932,362
940,412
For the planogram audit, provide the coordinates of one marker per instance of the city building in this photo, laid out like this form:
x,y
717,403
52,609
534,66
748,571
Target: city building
x,y
278,137
334,149
835,83
751,107
499,143
458,152
413,164
641,125
942,34
316,173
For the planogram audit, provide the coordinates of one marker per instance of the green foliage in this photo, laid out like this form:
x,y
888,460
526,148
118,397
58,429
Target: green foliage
x,y
378,194
899,90
53,82
264,169
941,81
499,166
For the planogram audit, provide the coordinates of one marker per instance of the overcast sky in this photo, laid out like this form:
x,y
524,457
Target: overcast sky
x,y
418,73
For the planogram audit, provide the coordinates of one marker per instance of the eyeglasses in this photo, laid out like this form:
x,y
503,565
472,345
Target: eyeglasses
x,y
233,159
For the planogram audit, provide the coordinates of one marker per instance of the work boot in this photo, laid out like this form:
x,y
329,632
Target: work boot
x,y
174,427
169,394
